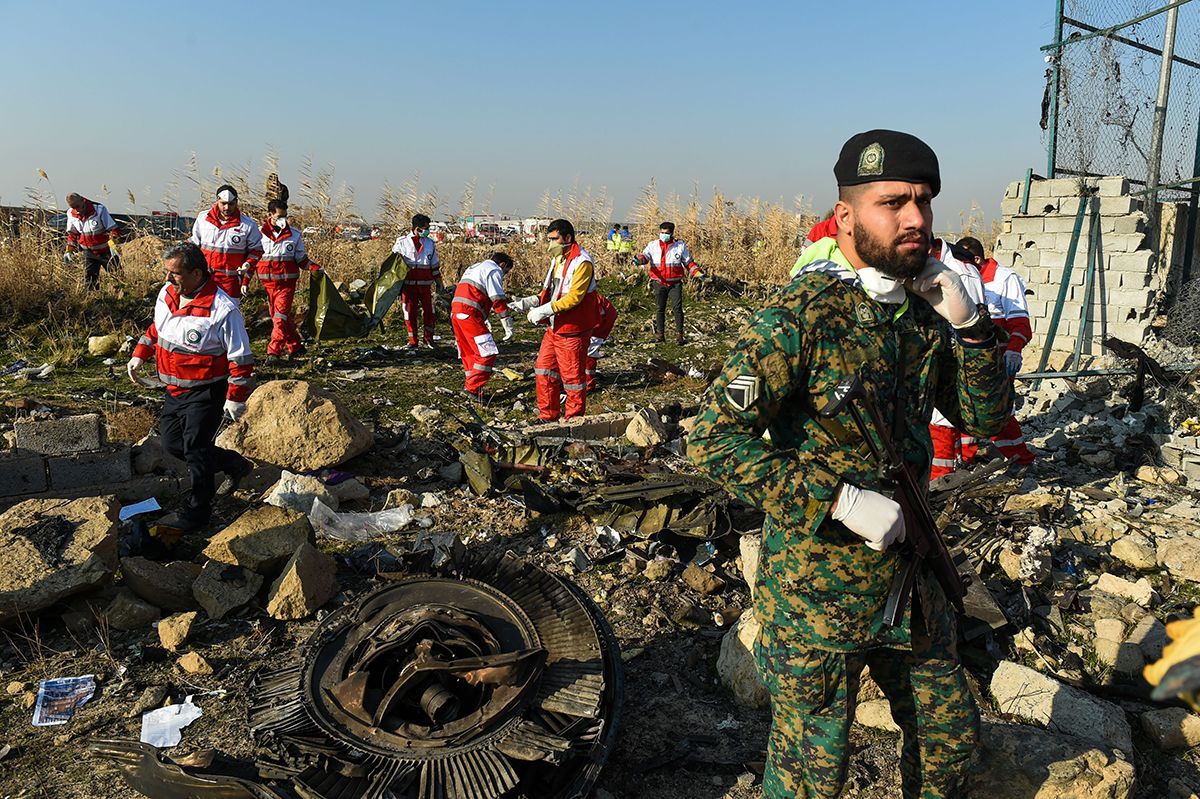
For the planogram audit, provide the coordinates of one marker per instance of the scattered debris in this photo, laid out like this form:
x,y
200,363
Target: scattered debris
x,y
59,698
163,728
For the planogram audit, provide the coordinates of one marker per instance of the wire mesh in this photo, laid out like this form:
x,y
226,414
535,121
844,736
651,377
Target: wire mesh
x,y
1108,88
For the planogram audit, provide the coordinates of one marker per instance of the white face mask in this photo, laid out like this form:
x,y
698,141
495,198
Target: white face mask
x,y
281,223
664,236
881,287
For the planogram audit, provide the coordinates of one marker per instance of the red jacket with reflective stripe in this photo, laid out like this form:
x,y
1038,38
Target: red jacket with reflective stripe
x,y
669,261
283,255
92,229
422,260
480,290
559,279
608,317
227,244
1005,294
202,342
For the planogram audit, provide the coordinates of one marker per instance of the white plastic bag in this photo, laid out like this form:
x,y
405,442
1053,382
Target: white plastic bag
x,y
357,526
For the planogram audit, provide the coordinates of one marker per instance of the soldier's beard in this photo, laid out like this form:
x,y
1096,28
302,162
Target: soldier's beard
x,y
888,259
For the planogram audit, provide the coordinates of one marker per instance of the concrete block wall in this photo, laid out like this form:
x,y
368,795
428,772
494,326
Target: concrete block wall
x,y
57,455
1035,244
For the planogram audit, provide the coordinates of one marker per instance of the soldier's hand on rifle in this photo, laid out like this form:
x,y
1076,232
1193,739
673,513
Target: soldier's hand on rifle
x,y
942,288
870,515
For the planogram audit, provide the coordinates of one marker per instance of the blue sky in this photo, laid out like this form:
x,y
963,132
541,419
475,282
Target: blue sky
x,y
754,98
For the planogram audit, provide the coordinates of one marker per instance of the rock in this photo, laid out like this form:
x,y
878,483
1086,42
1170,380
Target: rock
x,y
194,663
173,631
737,665
1019,762
309,580
1181,557
1172,728
51,549
876,714
1159,475
130,612
261,539
1122,657
1009,561
431,499
1135,550
1035,501
452,472
151,457
221,588
151,699
298,426
425,414
646,429
657,570
1140,592
399,497
750,547
14,688
702,580
1110,630
297,492
350,491
1150,636
1033,696
167,585
104,346
1099,459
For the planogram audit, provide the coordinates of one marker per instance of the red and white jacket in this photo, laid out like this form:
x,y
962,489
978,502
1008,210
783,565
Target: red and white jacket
x,y
1005,294
227,245
825,228
480,290
92,229
421,256
283,255
608,317
669,261
560,277
203,342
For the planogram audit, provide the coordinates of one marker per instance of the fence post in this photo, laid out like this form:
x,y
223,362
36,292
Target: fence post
x,y
1055,76
1154,165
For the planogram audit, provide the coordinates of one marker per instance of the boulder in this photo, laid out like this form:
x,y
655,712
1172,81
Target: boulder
x,y
646,429
1018,762
309,580
1181,557
297,492
1033,696
1135,550
221,588
701,580
173,631
51,549
129,612
876,714
737,665
1140,592
296,425
1172,728
658,570
1150,636
104,346
194,663
261,539
167,585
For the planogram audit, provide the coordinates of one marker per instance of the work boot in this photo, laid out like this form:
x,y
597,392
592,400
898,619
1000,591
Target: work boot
x,y
659,337
430,344
185,521
233,480
409,347
272,360
299,352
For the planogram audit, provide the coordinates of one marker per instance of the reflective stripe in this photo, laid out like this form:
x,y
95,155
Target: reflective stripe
x,y
279,316
574,386
589,371
1022,335
472,303
482,368
474,283
225,271
546,373
171,346
242,360
278,276
145,341
171,380
419,282
948,463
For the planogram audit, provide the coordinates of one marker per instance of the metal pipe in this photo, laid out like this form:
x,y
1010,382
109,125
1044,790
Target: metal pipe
x,y
1025,193
1134,43
1120,26
1189,247
1125,370
1063,285
1154,164
1093,257
1055,77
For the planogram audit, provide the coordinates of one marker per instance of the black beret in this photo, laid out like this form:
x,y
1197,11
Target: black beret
x,y
887,155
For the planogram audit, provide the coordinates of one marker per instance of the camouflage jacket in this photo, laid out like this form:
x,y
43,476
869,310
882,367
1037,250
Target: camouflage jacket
x,y
815,576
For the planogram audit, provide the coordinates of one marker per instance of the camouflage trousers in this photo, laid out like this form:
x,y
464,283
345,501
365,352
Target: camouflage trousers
x,y
813,695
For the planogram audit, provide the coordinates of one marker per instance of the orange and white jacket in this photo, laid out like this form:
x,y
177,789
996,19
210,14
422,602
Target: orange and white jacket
x,y
227,245
481,290
202,342
570,288
283,255
421,257
1005,294
92,229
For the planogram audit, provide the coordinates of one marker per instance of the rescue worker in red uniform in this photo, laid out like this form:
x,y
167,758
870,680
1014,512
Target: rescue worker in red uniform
x,y
201,352
608,318
567,306
91,228
279,269
480,290
821,230
669,259
1004,292
420,253
231,242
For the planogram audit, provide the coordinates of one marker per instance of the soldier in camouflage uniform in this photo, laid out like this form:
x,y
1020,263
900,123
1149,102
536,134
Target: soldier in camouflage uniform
x,y
877,309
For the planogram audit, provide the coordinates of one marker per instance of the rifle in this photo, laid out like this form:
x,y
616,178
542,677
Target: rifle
x,y
922,541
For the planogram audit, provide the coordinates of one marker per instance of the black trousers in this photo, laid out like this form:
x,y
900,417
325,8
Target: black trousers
x,y
675,295
93,262
188,427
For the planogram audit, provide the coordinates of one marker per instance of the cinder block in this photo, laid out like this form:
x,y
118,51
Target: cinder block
x,y
1124,242
1039,189
1130,298
110,465
1069,207
1132,223
1139,262
1116,206
1060,224
1065,187
21,473
1026,225
1128,280
1010,207
1113,187
1014,189
60,436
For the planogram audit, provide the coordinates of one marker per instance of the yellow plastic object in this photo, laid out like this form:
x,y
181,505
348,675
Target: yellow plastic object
x,y
167,536
1185,643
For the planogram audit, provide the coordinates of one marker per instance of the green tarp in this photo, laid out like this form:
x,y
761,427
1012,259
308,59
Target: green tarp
x,y
330,317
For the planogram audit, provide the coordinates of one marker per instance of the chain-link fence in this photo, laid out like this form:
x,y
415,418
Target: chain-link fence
x,y
1107,87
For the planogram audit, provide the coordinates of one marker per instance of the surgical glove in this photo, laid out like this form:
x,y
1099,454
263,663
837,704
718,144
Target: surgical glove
x,y
131,368
594,347
244,270
234,410
506,322
245,289
870,515
540,314
524,304
942,288
1012,362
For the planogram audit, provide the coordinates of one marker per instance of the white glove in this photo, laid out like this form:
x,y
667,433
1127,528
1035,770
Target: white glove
x,y
1012,362
245,289
524,304
234,410
244,269
594,347
506,322
870,515
131,368
540,314
942,288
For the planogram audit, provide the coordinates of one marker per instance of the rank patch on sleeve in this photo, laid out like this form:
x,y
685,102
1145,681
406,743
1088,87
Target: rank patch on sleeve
x,y
743,391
